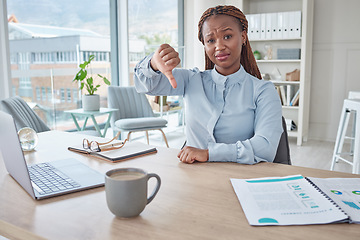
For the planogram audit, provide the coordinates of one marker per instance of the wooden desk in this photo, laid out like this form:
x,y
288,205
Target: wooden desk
x,y
195,201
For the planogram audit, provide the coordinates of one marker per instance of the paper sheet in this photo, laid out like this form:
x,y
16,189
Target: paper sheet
x,y
290,200
345,192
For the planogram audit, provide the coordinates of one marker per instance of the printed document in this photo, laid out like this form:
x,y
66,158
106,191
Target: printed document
x,y
290,200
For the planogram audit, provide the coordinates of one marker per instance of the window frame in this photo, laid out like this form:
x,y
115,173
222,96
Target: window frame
x,y
119,36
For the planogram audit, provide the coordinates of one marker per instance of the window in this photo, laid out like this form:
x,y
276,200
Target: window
x,y
151,23
75,95
43,94
62,95
46,51
68,92
38,96
49,94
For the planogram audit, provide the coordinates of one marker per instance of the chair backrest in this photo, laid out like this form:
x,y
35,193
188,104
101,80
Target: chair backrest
x,y
283,151
354,95
130,103
23,115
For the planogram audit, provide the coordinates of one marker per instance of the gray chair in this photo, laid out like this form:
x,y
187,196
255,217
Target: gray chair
x,y
283,151
135,113
23,115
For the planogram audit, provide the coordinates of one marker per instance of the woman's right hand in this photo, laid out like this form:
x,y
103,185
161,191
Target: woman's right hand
x,y
165,59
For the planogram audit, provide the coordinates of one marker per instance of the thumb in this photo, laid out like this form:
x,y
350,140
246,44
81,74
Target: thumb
x,y
171,78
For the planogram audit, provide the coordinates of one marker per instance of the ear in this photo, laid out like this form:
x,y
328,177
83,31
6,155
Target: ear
x,y
244,37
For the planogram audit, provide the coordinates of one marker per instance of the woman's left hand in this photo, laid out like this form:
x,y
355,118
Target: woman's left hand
x,y
191,154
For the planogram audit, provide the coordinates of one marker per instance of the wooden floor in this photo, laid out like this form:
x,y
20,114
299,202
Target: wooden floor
x,y
312,154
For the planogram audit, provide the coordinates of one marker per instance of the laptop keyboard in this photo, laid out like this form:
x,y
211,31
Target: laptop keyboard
x,y
47,179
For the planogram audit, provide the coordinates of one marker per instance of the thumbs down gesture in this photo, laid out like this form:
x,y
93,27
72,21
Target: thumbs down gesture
x,y
165,59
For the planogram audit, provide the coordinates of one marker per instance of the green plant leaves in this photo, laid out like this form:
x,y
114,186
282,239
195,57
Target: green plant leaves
x,y
106,81
91,57
88,82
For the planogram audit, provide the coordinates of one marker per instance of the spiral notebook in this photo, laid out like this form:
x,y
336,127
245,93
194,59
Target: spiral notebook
x,y
129,151
297,200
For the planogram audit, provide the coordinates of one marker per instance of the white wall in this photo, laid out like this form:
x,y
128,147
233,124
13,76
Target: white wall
x,y
335,62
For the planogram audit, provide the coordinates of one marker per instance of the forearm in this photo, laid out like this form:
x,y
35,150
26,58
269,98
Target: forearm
x,y
251,151
152,82
145,78
240,152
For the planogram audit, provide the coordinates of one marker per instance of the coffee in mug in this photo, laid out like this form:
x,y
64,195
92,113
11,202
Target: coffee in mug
x,y
126,191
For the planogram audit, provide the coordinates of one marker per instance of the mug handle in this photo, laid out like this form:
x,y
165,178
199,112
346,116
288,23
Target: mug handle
x,y
150,175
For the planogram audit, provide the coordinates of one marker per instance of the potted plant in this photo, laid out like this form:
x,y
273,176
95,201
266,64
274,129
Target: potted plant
x,y
90,101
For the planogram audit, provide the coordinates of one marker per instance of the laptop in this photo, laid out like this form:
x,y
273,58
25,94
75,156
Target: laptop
x,y
43,180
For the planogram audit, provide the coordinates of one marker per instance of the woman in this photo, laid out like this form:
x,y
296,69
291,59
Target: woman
x,y
231,115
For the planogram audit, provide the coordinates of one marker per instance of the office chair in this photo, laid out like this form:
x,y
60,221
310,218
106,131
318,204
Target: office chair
x,y
135,113
23,115
283,151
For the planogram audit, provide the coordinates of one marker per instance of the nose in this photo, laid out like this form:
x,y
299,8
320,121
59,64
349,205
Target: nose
x,y
219,45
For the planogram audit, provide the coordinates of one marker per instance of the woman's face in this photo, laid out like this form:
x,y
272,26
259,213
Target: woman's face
x,y
223,40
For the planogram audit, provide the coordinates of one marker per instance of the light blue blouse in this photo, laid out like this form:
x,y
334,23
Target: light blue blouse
x,y
237,117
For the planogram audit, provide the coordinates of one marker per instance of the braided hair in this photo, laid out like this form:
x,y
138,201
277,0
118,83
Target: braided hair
x,y
247,59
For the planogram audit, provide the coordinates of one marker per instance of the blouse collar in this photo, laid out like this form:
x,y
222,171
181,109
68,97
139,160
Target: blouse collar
x,y
231,79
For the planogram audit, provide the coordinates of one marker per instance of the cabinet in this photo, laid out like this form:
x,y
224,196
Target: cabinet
x,y
299,114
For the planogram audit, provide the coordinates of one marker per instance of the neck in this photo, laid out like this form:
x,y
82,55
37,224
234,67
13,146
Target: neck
x,y
225,71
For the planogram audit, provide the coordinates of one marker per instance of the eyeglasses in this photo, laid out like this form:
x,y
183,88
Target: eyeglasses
x,y
106,146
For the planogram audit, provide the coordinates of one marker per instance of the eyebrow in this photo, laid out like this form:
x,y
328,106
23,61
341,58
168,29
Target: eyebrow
x,y
222,30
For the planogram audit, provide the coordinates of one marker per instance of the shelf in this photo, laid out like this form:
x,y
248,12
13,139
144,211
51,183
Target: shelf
x,y
292,133
291,107
279,61
282,82
274,67
275,39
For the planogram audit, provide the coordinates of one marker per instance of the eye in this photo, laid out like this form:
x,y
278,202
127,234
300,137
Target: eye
x,y
227,37
210,40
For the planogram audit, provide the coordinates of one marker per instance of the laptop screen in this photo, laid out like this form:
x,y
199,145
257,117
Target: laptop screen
x,y
12,153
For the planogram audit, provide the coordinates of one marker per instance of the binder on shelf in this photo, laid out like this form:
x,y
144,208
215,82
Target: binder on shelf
x,y
280,25
268,27
296,101
289,92
251,25
295,98
292,25
273,25
263,26
283,95
279,29
297,24
257,27
290,124
279,92
285,25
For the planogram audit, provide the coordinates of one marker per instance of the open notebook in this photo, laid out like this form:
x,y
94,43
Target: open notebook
x,y
129,151
296,200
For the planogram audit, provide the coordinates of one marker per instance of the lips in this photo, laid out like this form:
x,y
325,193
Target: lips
x,y
222,56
